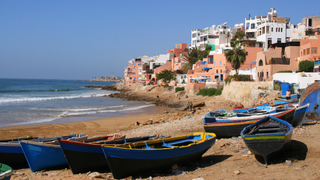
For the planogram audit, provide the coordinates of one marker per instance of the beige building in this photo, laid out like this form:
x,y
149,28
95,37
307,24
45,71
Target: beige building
x,y
280,57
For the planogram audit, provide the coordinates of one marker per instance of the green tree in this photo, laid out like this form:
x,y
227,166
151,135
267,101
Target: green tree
x,y
306,66
236,56
240,34
194,55
166,76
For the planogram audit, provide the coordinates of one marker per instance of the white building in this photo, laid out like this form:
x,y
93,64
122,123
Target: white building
x,y
214,36
302,79
269,29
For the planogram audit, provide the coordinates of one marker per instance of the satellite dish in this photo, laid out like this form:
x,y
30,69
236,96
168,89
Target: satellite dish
x,y
241,24
236,25
275,11
225,23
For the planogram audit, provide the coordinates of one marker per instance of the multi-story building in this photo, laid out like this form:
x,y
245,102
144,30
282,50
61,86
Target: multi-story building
x,y
216,36
279,57
269,29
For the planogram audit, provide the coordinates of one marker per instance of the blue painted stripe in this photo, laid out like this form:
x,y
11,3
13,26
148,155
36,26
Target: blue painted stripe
x,y
11,149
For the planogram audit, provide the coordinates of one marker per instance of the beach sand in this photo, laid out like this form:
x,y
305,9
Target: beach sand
x,y
227,159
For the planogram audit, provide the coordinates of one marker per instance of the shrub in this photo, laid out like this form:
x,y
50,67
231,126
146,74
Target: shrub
x,y
218,92
209,92
286,71
306,66
179,89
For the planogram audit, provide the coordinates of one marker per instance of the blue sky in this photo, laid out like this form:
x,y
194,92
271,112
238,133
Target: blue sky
x,y
76,39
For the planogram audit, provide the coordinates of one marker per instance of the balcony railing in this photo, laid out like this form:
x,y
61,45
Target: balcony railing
x,y
280,61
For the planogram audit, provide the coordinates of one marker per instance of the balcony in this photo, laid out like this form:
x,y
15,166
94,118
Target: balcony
x,y
285,61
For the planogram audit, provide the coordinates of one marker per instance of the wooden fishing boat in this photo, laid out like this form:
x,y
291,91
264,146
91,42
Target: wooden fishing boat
x,y
11,152
46,153
88,155
232,126
240,109
299,114
135,158
267,137
5,172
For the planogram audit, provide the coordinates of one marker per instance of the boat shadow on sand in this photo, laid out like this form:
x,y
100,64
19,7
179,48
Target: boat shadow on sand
x,y
205,161
296,151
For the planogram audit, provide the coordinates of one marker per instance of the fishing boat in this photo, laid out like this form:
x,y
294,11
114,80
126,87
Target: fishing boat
x,y
240,109
5,171
267,137
292,96
232,126
46,152
135,158
88,155
11,152
299,114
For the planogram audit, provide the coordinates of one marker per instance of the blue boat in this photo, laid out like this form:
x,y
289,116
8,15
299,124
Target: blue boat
x,y
240,109
267,137
5,172
135,158
88,156
232,126
46,154
11,153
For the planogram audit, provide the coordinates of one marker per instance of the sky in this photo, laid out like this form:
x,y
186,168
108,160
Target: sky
x,y
82,39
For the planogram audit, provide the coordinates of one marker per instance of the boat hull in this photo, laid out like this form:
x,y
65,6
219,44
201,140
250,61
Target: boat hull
x,y
6,171
12,155
227,129
267,137
43,156
125,162
84,157
299,115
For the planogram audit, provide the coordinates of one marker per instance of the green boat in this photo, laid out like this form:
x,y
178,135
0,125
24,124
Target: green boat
x,y
5,172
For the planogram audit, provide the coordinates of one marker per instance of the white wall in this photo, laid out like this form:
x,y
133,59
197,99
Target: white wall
x,y
302,81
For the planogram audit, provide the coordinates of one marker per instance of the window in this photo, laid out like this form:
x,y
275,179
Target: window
x,y
304,52
272,29
220,62
217,71
308,51
246,53
253,26
220,70
133,73
194,35
134,69
281,29
267,74
248,24
314,50
134,78
278,40
214,63
260,62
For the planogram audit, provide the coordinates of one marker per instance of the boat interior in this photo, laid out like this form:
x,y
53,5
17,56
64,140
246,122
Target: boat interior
x,y
268,126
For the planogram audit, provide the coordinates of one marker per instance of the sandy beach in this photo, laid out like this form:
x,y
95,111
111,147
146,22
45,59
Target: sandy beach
x,y
227,159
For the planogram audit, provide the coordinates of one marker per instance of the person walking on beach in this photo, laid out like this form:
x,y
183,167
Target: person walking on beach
x,y
288,94
190,106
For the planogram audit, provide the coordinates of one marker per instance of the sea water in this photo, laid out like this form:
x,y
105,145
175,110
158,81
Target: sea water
x,y
39,101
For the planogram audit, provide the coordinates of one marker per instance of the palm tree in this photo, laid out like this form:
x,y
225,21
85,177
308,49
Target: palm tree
x,y
236,56
195,55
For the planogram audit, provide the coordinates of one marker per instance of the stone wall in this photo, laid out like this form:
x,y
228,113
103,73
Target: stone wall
x,y
246,93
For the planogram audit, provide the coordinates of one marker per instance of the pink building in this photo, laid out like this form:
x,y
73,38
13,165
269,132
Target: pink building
x,y
309,48
132,72
280,57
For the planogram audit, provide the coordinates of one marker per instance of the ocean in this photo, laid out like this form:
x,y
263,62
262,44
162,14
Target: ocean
x,y
39,101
